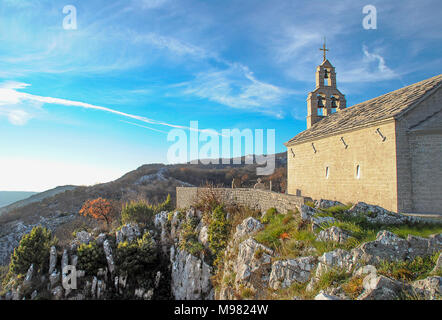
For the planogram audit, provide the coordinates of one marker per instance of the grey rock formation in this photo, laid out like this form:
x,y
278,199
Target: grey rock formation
x,y
333,234
190,278
380,288
83,237
430,288
337,259
323,204
248,227
324,296
285,272
128,232
52,259
109,257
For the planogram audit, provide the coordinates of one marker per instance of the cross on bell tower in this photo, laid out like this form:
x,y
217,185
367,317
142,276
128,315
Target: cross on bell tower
x,y
326,98
324,48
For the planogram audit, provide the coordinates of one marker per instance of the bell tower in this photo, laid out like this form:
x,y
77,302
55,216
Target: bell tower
x,y
326,98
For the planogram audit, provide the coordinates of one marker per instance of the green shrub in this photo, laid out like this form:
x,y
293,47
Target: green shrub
x,y
143,212
136,257
137,211
419,268
91,257
218,231
34,249
270,213
189,237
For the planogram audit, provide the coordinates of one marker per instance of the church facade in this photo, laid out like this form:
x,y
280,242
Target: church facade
x,y
385,151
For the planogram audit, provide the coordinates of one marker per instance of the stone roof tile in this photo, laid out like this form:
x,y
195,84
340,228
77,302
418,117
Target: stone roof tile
x,y
383,107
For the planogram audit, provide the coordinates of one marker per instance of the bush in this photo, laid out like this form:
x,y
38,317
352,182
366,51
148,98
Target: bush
x,y
189,237
143,212
34,249
136,257
218,231
137,211
91,257
270,213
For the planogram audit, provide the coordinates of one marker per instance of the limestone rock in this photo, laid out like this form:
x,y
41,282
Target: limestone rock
x,y
247,228
333,234
380,288
387,246
417,247
128,232
362,271
337,259
109,257
323,296
285,272
83,237
306,212
57,293
27,282
54,279
323,204
252,256
376,214
190,278
52,259
203,236
100,239
430,287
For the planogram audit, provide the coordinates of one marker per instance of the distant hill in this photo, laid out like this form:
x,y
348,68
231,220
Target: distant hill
x,y
8,197
25,198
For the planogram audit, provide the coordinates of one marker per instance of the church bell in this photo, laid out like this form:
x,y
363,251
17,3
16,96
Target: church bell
x,y
320,103
326,74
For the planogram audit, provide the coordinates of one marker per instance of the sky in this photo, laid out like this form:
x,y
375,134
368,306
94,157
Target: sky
x,y
85,105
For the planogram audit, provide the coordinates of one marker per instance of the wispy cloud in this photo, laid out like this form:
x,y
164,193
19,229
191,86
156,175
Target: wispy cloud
x,y
10,96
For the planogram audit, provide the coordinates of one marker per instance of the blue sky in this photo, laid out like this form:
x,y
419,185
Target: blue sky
x,y
88,105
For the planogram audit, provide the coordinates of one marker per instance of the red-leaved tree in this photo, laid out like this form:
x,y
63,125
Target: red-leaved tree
x,y
100,209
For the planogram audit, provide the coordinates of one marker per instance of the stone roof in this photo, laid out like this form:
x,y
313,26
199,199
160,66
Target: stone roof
x,y
383,107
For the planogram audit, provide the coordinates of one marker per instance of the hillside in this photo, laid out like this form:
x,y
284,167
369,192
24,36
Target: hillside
x,y
8,197
151,182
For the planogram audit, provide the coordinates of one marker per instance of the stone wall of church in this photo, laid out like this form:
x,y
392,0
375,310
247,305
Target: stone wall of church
x,y
253,198
366,148
419,159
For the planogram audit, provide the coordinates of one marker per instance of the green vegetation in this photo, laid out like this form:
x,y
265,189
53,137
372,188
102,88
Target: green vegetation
x,y
91,257
353,288
419,268
143,212
189,237
137,256
219,230
267,217
34,249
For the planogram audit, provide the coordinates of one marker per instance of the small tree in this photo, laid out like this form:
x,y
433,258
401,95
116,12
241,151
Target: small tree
x,y
99,209
34,249
218,232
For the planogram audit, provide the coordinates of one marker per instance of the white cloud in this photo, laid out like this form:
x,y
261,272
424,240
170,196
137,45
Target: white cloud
x,y
18,117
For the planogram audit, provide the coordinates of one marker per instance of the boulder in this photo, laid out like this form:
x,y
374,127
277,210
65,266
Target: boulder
x,y
306,212
333,234
83,237
253,258
417,247
27,282
387,246
100,239
247,228
380,288
324,204
57,293
376,214
337,259
285,272
430,288
128,232
323,296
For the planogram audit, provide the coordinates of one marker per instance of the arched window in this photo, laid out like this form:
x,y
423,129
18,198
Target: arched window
x,y
327,172
358,172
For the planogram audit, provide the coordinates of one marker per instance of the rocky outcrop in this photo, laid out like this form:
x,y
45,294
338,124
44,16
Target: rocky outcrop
x,y
430,288
285,272
324,204
333,234
190,276
378,287
128,232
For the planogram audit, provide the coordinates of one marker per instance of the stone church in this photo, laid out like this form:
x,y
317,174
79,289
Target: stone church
x,y
385,151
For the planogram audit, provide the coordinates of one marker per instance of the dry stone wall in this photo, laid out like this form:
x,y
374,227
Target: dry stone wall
x,y
256,199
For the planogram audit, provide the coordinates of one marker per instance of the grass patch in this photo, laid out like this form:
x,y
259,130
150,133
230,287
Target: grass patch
x,y
353,288
417,269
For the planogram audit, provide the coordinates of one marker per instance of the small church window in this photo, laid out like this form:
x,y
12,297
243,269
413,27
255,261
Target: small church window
x,y
358,172
327,171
